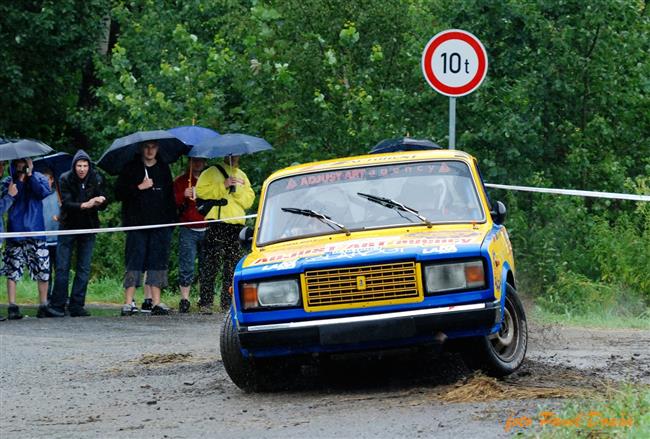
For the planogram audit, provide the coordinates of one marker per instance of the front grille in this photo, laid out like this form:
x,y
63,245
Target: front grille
x,y
370,284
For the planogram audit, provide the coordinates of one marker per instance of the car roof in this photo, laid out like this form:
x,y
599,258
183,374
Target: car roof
x,y
371,159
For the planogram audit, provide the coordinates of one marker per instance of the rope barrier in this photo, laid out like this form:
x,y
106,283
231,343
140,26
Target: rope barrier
x,y
578,193
573,192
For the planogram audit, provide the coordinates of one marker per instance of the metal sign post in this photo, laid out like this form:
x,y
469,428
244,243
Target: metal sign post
x,y
452,123
454,63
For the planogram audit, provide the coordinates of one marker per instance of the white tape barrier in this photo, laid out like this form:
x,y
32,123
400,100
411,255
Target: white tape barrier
x,y
577,193
114,229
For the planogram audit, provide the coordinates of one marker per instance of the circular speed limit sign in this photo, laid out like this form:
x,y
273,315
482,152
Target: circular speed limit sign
x,y
454,62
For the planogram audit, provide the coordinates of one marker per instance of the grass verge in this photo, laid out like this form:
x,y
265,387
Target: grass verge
x,y
619,413
106,291
595,319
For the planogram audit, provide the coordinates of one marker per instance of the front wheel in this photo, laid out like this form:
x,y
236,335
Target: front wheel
x,y
249,374
501,353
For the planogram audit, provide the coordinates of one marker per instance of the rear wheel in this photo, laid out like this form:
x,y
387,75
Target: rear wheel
x,y
501,353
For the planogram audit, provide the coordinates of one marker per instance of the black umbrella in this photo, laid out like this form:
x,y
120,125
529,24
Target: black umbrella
x,y
403,144
58,163
11,149
124,149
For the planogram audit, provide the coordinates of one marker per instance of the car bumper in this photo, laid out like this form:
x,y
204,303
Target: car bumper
x,y
373,330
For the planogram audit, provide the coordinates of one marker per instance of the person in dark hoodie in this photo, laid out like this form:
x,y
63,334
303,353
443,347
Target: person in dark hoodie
x,y
82,197
26,215
145,188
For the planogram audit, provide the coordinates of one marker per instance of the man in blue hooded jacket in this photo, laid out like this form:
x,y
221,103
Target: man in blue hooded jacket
x,y
26,215
82,196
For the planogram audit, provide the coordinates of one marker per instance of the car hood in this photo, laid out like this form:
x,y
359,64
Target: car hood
x,y
367,247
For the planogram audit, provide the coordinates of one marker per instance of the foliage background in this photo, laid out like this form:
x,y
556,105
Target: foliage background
x,y
565,104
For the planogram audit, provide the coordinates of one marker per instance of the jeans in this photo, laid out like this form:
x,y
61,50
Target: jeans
x,y
52,253
189,244
222,252
84,245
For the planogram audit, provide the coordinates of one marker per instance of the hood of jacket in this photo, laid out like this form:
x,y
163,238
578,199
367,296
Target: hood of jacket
x,y
81,155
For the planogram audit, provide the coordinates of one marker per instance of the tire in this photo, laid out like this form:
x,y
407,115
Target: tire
x,y
249,374
502,353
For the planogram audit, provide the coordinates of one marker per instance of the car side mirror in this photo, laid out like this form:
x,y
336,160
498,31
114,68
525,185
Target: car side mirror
x,y
246,238
499,213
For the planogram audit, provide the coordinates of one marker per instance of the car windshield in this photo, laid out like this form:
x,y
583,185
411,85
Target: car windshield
x,y
369,197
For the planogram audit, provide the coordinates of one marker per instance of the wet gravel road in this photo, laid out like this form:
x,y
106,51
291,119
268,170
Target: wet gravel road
x,y
162,377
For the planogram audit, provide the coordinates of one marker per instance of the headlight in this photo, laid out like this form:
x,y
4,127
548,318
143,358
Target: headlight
x,y
454,276
279,293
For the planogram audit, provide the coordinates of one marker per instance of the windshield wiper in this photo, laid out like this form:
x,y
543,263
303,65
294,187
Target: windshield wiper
x,y
319,216
396,205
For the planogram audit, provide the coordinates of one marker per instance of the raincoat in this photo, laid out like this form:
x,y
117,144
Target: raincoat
x,y
211,187
26,213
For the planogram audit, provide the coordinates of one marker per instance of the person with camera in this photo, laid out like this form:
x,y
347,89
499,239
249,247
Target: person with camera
x,y
26,215
191,236
228,193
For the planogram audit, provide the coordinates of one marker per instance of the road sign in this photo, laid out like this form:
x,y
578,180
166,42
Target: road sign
x,y
454,62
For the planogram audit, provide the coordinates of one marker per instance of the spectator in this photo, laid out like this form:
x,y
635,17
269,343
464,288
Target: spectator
x,y
227,182
51,210
82,195
191,237
26,215
7,193
145,188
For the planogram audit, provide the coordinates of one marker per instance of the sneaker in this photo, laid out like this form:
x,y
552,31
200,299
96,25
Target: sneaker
x,y
13,312
160,310
184,306
147,305
129,309
48,311
79,312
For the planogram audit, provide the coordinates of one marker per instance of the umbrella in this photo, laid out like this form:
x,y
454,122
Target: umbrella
x,y
192,135
403,144
124,149
11,149
229,144
58,163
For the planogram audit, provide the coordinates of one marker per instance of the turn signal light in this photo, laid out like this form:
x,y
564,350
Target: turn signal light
x,y
249,296
474,274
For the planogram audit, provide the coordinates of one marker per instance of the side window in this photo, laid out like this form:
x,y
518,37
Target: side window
x,y
487,196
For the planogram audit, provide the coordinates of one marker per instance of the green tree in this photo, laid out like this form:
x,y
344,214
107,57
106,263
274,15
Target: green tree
x,y
46,55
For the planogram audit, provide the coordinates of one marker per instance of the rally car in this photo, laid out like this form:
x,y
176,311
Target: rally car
x,y
369,253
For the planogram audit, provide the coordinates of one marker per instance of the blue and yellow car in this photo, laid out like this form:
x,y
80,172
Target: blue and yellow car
x,y
372,253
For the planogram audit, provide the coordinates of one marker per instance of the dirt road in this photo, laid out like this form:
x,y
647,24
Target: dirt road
x,y
162,377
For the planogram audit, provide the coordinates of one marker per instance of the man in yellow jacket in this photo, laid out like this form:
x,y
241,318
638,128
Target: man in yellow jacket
x,y
224,181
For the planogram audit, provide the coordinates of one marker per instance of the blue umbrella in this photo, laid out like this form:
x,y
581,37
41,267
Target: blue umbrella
x,y
403,144
192,135
229,144
11,149
58,163
124,149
